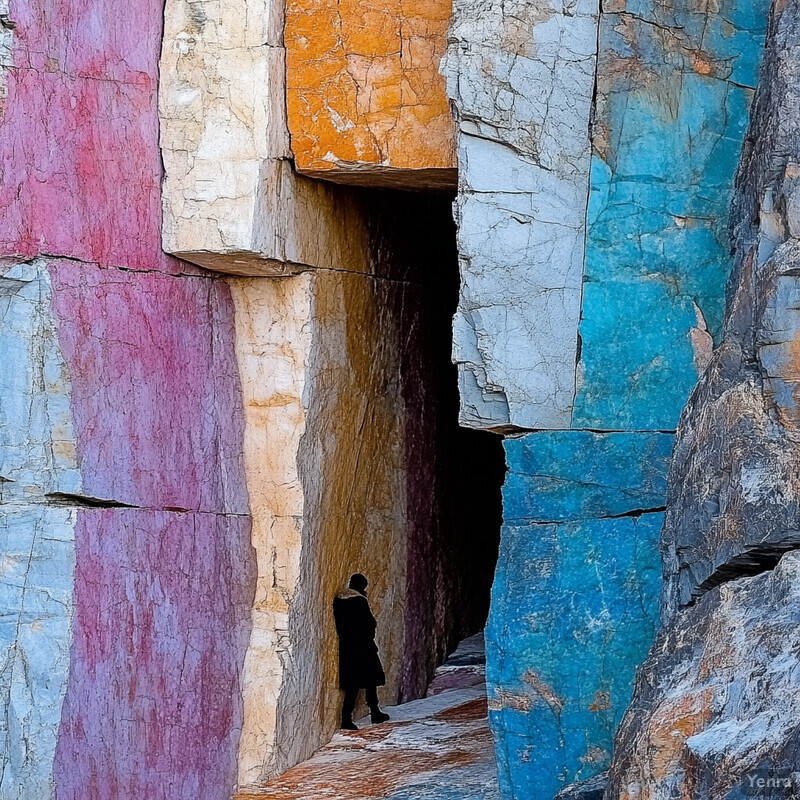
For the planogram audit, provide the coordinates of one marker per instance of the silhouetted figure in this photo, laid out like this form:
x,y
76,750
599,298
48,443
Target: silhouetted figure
x,y
359,663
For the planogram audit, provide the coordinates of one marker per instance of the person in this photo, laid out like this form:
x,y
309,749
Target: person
x,y
359,663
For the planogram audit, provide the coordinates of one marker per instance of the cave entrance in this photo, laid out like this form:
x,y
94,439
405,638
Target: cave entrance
x,y
455,474
374,476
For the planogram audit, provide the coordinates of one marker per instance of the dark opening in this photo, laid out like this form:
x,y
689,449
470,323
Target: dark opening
x,y
455,475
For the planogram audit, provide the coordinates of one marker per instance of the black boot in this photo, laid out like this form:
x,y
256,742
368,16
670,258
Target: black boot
x,y
350,697
377,716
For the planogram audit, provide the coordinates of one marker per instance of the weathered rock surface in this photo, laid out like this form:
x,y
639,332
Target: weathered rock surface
x,y
439,748
327,495
153,704
521,77
122,629
36,616
83,83
38,459
673,89
141,347
118,620
582,204
591,789
6,39
365,100
716,704
464,668
713,703
37,437
574,601
231,200
592,215
349,403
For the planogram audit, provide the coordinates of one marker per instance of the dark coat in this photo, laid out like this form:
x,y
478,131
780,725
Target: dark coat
x,y
359,663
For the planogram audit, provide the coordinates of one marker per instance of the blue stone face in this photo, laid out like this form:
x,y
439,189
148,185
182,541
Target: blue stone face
x,y
667,136
576,475
574,604
577,584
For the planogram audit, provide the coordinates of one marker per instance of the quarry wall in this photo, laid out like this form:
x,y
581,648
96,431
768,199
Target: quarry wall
x,y
226,381
192,465
597,154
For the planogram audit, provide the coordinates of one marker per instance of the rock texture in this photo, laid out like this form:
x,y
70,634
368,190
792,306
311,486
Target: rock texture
x,y
366,103
127,574
37,462
36,616
439,748
592,789
673,88
37,433
464,668
153,705
574,601
568,231
7,26
703,721
713,709
347,405
231,199
523,159
328,498
593,249
76,90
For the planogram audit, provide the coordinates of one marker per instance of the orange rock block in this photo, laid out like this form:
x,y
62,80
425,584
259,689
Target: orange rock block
x,y
366,103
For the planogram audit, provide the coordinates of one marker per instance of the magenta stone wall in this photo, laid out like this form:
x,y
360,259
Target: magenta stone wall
x,y
155,387
161,627
79,154
163,590
163,598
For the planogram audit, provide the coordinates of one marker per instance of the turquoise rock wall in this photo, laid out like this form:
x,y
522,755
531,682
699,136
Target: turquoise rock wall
x,y
671,112
577,584
574,604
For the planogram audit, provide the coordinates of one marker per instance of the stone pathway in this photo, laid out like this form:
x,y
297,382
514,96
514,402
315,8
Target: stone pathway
x,y
439,748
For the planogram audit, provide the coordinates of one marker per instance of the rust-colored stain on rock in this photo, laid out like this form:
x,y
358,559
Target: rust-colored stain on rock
x,y
378,761
672,724
366,103
467,712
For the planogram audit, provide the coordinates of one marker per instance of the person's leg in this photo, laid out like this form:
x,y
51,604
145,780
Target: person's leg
x,y
376,715
349,704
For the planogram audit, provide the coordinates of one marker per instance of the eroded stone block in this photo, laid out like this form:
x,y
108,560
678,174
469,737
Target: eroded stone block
x,y
79,151
327,496
231,201
568,475
144,349
521,79
153,704
36,616
715,708
712,707
37,439
671,112
366,103
574,603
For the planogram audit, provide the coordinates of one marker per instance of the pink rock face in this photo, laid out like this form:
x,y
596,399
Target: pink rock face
x,y
161,597
153,707
79,151
155,387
